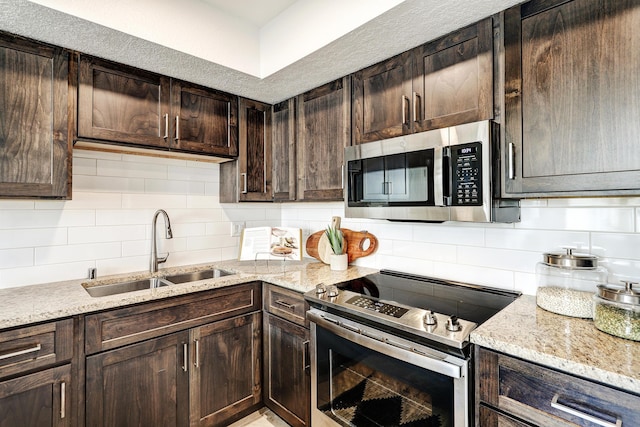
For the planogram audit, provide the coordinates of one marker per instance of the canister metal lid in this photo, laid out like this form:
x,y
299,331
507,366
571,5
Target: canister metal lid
x,y
624,294
570,259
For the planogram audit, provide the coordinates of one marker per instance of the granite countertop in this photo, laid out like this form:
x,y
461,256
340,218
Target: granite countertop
x,y
37,303
568,344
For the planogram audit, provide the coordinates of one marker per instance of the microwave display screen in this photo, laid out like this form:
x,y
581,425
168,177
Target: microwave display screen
x,y
404,179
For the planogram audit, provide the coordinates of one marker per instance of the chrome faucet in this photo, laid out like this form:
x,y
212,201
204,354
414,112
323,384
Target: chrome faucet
x,y
155,260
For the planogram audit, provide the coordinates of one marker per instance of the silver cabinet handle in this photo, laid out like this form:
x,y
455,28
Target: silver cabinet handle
x,y
33,349
244,185
305,349
185,356
405,103
63,399
580,414
416,106
166,126
228,124
285,304
177,128
196,363
511,153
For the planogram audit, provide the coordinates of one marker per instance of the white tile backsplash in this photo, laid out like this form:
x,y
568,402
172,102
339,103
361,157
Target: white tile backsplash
x,y
108,225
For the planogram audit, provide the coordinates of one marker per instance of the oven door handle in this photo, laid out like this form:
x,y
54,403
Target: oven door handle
x,y
395,347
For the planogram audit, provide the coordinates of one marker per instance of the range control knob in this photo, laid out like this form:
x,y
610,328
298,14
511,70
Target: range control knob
x,y
429,318
332,291
321,289
453,325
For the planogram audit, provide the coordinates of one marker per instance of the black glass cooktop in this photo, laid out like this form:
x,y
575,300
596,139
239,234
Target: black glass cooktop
x,y
465,301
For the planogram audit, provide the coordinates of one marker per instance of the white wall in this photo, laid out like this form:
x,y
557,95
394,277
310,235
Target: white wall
x,y
108,225
500,255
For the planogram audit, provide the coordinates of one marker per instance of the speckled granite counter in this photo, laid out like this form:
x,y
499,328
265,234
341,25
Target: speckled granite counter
x,y
567,344
38,303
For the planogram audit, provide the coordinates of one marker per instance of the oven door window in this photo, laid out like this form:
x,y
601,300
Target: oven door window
x,y
403,179
357,386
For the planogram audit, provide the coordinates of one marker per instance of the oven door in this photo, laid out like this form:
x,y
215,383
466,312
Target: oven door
x,y
361,376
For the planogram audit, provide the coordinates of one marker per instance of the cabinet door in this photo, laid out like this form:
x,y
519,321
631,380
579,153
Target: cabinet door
x,y
284,150
35,151
122,104
572,98
453,81
382,100
144,384
286,370
254,161
324,130
225,370
37,400
204,120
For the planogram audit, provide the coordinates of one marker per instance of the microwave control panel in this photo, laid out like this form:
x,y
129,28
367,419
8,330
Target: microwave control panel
x,y
466,179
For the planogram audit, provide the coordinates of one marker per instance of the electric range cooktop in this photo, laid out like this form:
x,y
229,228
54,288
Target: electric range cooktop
x,y
414,306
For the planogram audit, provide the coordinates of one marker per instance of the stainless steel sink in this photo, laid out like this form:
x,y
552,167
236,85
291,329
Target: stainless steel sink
x,y
123,287
197,275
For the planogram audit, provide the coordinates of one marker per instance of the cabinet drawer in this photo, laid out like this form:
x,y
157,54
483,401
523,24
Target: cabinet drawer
x,y
286,303
36,346
487,417
547,397
128,325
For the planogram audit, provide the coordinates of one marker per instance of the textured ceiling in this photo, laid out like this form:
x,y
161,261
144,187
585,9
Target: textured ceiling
x,y
407,25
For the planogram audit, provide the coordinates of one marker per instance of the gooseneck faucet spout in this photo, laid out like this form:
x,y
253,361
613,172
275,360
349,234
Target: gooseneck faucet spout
x,y
155,260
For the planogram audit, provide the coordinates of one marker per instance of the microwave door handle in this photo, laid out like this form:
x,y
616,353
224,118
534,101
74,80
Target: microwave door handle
x,y
438,178
446,178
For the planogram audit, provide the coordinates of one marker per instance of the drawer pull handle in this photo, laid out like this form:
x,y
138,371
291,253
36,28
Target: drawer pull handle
x,y
580,414
197,350
305,356
185,355
285,304
63,399
33,349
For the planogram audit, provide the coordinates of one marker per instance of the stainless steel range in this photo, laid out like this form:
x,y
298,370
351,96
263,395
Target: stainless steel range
x,y
392,349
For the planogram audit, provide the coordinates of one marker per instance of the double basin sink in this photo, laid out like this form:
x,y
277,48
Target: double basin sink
x,y
153,282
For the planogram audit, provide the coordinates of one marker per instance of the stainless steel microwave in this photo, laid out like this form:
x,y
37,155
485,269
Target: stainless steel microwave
x,y
449,174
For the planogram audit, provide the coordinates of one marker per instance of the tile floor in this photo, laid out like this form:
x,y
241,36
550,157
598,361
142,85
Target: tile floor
x,y
261,418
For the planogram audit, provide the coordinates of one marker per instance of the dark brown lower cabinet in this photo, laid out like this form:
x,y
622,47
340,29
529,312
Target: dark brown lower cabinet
x,y
145,384
513,389
194,360
41,399
286,370
208,376
226,370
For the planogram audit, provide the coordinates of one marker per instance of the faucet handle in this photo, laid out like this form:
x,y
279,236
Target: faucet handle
x,y
162,259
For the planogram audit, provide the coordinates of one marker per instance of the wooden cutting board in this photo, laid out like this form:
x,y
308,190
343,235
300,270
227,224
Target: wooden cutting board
x,y
359,244
323,246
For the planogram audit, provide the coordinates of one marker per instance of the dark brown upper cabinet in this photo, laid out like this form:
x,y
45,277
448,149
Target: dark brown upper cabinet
x,y
381,100
122,104
206,120
323,130
126,105
572,98
254,162
453,78
284,150
35,148
445,82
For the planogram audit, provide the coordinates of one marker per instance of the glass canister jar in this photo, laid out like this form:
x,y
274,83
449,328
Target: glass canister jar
x,y
617,310
567,282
